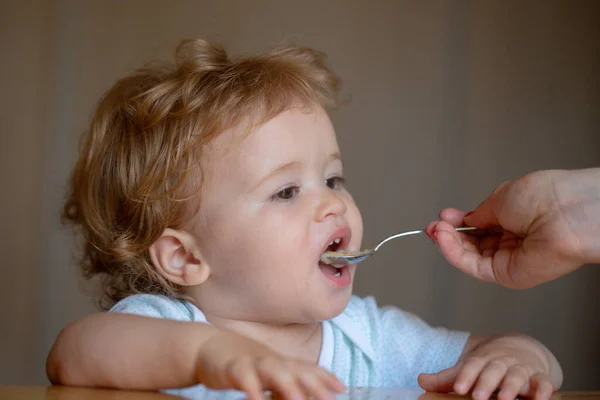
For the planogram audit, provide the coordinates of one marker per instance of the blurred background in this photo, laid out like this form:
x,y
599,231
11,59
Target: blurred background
x,y
448,99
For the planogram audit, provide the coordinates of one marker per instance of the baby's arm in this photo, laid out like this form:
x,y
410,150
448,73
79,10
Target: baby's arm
x,y
133,352
127,351
516,364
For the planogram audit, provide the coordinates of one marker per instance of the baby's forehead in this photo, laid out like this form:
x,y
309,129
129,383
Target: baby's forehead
x,y
294,132
236,137
238,150
229,151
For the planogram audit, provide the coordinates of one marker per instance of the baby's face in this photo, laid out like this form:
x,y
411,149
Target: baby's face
x,y
271,204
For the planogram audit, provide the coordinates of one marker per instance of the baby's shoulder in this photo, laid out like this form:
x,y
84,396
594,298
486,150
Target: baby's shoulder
x,y
157,306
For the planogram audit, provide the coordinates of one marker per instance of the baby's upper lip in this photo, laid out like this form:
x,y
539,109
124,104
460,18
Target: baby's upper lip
x,y
342,232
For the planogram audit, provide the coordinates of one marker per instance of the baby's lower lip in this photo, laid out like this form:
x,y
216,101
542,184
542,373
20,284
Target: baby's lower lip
x,y
340,280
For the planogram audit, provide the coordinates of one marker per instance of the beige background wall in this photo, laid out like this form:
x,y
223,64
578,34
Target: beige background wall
x,y
449,98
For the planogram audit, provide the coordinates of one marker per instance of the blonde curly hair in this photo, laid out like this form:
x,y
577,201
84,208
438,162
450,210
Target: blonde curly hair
x,y
146,140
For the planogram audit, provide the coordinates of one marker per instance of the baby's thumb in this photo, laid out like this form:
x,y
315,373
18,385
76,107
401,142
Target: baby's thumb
x,y
442,381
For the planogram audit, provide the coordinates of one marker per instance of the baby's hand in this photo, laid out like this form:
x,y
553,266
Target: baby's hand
x,y
232,361
504,367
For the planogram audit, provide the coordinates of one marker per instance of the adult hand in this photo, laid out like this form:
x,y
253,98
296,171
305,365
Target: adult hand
x,y
549,223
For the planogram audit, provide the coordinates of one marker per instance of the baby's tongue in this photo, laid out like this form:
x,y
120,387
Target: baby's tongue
x,y
328,269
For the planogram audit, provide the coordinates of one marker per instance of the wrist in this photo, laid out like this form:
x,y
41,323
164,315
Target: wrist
x,y
516,344
204,350
577,193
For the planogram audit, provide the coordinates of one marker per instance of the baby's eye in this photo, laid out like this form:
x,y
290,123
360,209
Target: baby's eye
x,y
336,182
286,194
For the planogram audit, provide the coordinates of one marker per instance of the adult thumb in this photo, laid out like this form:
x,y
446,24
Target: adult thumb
x,y
484,216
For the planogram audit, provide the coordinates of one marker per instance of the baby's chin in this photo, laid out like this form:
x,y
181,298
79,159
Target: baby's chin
x,y
336,306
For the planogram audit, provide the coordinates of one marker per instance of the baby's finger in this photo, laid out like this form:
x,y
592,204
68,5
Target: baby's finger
x,y
541,386
489,379
442,382
314,387
331,381
250,384
278,378
470,371
514,382
244,378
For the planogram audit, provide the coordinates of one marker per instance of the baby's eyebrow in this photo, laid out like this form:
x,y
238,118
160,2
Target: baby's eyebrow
x,y
336,156
275,171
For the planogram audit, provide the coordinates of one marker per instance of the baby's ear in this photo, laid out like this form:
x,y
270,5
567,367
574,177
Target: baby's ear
x,y
177,257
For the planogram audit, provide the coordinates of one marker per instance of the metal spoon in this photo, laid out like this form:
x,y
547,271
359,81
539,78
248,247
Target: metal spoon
x,y
341,258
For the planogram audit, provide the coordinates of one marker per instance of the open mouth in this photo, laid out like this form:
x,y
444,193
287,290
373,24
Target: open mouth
x,y
339,275
333,246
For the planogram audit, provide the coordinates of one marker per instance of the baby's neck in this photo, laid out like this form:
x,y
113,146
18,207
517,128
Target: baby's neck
x,y
301,341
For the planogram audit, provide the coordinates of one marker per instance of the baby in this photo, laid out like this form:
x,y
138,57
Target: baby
x,y
206,192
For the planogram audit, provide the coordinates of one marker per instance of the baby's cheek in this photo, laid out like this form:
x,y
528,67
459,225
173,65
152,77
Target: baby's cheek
x,y
356,224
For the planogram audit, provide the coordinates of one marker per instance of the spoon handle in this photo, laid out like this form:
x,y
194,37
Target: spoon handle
x,y
459,229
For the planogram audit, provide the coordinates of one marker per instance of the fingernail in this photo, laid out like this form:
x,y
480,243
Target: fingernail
x,y
467,214
435,235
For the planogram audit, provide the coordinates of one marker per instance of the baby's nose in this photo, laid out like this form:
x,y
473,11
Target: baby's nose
x,y
330,205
